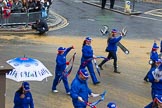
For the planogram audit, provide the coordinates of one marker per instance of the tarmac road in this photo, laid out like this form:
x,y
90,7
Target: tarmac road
x,y
126,89
86,20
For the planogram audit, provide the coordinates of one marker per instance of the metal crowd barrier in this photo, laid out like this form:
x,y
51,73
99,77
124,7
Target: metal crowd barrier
x,y
20,18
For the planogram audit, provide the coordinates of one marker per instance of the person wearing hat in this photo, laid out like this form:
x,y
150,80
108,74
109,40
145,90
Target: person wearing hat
x,y
87,53
23,97
160,55
161,46
154,58
60,68
156,103
111,105
155,78
157,63
111,48
80,90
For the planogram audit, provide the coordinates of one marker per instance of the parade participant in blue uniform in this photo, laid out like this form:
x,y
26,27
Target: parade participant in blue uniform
x,y
155,77
111,105
157,63
23,97
60,68
156,103
112,41
160,55
80,90
161,47
87,53
154,58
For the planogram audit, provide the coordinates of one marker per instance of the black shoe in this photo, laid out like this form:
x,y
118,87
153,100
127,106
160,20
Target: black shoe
x,y
145,79
100,67
96,82
115,71
102,7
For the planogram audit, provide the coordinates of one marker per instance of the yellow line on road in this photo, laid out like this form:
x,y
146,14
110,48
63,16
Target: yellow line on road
x,y
64,22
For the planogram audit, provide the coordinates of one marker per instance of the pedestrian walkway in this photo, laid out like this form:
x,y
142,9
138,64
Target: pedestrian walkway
x,y
54,22
137,7
119,7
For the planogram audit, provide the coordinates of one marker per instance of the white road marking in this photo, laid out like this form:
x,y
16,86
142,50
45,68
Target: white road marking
x,y
155,12
147,18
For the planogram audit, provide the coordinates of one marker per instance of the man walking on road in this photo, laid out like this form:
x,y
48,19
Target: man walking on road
x,y
111,4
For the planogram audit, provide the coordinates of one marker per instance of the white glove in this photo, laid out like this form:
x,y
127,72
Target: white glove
x,y
80,99
95,95
94,57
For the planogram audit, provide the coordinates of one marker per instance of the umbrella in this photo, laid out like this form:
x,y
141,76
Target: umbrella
x,y
27,69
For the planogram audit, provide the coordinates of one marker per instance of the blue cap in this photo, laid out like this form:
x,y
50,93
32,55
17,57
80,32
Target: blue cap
x,y
26,85
111,105
88,38
84,73
158,98
155,46
61,49
113,31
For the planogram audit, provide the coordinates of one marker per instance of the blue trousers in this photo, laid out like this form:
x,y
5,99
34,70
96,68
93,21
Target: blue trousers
x,y
79,107
155,92
149,105
56,81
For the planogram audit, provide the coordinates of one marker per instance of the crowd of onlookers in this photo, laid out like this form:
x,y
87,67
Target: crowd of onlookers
x,y
18,6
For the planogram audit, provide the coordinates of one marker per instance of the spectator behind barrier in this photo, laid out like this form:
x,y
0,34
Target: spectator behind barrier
x,y
31,6
2,5
40,26
46,4
9,4
38,5
25,5
6,12
17,6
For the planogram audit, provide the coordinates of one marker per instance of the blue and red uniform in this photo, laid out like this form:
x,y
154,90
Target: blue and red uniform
x,y
25,101
60,68
154,57
87,53
79,88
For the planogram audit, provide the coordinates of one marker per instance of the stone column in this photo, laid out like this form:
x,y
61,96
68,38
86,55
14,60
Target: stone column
x,y
4,68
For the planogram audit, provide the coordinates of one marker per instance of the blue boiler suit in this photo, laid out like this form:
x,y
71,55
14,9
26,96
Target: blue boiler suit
x,y
156,86
154,57
26,102
87,53
60,68
80,88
